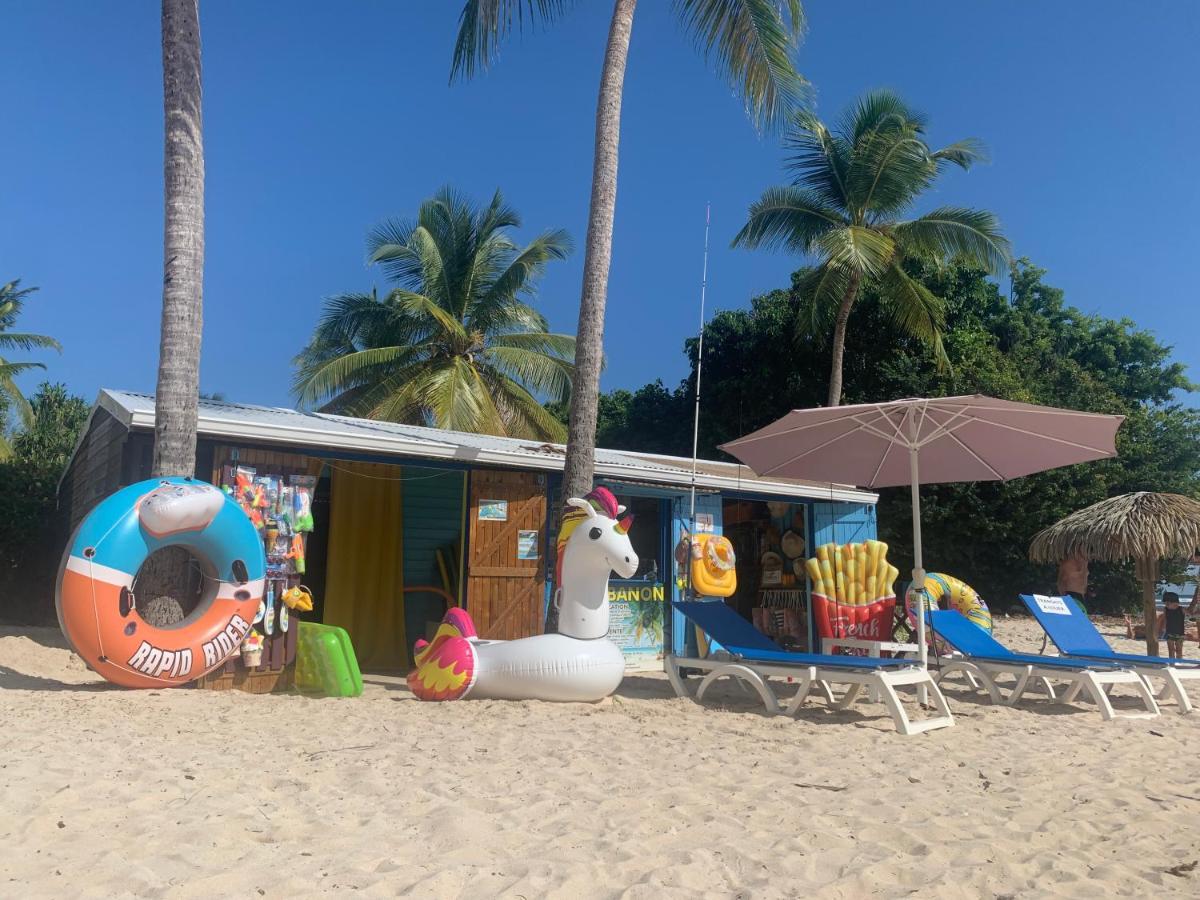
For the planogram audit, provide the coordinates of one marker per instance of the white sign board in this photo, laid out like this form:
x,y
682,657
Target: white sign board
x,y
1053,605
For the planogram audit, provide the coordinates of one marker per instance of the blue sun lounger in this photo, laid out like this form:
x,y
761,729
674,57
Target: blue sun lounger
x,y
1074,635
740,651
984,658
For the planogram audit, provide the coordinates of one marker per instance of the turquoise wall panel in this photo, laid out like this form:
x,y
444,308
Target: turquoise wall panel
x,y
432,501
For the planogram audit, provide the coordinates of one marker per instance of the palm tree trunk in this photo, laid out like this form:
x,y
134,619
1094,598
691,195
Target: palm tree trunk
x,y
589,340
839,339
177,393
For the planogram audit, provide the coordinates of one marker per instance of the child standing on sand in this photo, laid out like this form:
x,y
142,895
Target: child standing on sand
x,y
1172,623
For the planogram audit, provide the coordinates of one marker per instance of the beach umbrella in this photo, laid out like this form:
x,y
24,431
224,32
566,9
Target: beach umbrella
x,y
1145,527
925,441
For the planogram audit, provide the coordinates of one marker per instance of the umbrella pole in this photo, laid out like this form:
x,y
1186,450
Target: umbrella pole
x,y
918,572
1147,571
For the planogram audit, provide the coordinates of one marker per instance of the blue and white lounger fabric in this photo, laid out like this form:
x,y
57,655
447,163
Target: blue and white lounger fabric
x,y
741,651
1074,634
985,658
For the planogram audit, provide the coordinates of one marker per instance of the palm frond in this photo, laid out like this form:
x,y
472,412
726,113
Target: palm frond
x,y
8,387
523,416
17,341
560,345
820,292
915,309
879,111
951,232
964,153
788,218
341,372
420,305
547,375
888,169
857,248
818,158
484,24
753,42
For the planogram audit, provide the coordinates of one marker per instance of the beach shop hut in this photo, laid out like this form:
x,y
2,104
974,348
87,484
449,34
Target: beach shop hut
x,y
409,519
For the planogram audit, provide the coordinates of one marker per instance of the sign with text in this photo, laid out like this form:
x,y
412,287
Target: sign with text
x,y
635,622
1053,605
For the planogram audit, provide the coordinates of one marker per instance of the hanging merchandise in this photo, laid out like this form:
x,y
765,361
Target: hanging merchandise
x,y
303,488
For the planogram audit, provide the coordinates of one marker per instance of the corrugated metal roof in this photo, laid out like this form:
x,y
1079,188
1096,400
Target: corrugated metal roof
x,y
329,433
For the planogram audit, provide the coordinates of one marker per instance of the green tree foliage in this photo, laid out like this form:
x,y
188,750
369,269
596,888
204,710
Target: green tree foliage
x,y
28,482
853,184
454,344
1031,347
12,300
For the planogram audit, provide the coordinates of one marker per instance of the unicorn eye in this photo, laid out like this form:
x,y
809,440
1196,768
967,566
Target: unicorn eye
x,y
595,533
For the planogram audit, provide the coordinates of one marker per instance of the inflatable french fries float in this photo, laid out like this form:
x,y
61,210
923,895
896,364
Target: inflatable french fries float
x,y
853,589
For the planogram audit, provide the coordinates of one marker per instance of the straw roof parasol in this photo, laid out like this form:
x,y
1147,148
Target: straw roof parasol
x,y
1137,526
1145,527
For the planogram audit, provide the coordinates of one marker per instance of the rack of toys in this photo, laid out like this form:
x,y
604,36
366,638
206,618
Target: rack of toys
x,y
279,505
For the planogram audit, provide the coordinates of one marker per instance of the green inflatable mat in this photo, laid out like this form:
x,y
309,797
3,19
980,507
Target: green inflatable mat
x,y
325,662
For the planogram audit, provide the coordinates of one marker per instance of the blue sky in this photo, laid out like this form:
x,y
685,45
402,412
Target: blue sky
x,y
323,118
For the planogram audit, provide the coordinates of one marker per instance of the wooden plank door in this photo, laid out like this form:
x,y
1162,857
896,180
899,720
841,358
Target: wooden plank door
x,y
505,593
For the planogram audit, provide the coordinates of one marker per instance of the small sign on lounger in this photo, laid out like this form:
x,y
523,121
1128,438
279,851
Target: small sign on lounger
x,y
1054,605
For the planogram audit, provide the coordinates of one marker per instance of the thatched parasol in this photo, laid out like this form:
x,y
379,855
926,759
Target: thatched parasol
x,y
1145,527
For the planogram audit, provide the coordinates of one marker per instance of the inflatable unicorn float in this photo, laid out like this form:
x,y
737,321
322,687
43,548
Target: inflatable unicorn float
x,y
578,663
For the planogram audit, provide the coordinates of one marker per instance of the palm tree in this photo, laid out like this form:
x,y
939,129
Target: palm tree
x,y
178,388
12,299
752,42
453,345
852,184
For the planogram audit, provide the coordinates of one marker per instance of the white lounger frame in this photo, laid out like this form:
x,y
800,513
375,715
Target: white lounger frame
x,y
1173,678
982,673
755,674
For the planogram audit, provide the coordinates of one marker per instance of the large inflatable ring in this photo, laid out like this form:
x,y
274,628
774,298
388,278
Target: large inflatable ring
x,y
96,606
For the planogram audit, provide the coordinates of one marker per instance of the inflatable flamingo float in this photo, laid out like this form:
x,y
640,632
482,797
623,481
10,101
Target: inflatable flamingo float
x,y
578,663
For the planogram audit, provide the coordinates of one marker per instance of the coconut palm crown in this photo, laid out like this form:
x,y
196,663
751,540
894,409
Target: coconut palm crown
x,y
853,185
12,299
453,344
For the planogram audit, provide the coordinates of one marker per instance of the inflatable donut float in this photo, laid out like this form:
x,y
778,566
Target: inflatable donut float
x,y
97,610
713,566
954,594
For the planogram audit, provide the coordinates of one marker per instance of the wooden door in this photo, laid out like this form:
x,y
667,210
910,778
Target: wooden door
x,y
505,588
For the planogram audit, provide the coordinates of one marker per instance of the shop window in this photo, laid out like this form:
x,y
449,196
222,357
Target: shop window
x,y
770,539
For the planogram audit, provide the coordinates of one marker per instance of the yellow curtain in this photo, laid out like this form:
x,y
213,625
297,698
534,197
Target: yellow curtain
x,y
364,584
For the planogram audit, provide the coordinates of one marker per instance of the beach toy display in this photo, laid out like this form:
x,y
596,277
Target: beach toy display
x,y
947,592
853,589
713,566
325,662
97,610
577,664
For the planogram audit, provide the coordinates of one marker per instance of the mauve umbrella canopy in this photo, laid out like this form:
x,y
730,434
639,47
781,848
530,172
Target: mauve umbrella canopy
x,y
968,438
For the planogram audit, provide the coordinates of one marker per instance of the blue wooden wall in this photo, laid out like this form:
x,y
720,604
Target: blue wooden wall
x,y
841,523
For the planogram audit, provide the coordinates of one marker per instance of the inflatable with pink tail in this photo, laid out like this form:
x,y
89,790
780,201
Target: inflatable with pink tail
x,y
578,663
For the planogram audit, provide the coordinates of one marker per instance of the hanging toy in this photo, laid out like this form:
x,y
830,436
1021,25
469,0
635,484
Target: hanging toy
x,y
296,554
302,494
298,598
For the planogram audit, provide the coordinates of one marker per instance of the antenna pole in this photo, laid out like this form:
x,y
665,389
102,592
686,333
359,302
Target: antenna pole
x,y
699,366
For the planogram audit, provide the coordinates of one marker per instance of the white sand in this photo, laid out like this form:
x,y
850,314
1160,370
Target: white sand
x,y
183,793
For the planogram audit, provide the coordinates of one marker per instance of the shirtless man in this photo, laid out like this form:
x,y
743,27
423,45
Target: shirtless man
x,y
1073,577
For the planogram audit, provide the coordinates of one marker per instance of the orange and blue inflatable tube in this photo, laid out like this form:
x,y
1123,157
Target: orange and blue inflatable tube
x,y
97,610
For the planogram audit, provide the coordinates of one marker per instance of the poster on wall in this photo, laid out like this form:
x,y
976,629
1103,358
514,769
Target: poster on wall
x,y
527,545
635,622
493,510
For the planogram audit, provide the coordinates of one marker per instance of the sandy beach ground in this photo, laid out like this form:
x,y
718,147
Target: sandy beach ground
x,y
186,793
